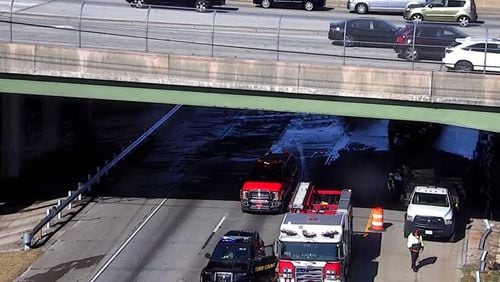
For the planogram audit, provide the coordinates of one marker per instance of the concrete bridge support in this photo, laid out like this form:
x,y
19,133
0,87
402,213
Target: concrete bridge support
x,y
13,135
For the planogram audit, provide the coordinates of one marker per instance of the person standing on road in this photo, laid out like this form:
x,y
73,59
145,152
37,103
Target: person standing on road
x,y
415,245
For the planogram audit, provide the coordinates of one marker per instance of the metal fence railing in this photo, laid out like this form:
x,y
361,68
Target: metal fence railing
x,y
220,35
29,238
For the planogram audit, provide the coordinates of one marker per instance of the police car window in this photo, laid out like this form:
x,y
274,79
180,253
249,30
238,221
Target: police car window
x,y
231,252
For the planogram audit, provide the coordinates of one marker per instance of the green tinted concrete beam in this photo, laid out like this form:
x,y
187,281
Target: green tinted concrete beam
x,y
474,117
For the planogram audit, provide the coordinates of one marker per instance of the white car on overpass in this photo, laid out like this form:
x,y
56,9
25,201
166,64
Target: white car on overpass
x,y
469,53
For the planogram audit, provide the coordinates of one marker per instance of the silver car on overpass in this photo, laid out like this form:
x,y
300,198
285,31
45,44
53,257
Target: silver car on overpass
x,y
365,6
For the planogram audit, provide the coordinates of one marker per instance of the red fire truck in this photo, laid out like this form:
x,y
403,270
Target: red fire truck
x,y
315,236
270,184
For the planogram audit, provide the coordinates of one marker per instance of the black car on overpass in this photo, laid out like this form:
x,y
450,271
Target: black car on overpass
x,y
308,5
363,32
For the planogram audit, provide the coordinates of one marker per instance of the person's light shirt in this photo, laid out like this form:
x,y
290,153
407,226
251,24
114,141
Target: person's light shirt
x,y
412,240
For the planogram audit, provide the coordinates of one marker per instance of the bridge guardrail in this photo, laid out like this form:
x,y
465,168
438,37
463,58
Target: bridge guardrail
x,y
273,31
28,236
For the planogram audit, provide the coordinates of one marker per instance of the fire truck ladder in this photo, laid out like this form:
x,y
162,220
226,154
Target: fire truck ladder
x,y
300,196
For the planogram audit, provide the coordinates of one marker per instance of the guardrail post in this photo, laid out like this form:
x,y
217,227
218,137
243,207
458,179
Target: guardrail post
x,y
48,223
485,51
59,213
345,34
70,203
278,43
147,29
478,278
413,45
80,26
11,7
27,240
213,32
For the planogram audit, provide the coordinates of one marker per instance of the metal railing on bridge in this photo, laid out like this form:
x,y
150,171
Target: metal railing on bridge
x,y
271,37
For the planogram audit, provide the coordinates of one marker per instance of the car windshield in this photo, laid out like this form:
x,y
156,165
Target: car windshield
x,y
440,200
231,252
309,251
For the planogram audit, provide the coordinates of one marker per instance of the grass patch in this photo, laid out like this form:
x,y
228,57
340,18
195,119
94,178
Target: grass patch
x,y
13,264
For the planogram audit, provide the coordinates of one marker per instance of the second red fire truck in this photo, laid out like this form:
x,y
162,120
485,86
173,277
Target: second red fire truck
x,y
315,236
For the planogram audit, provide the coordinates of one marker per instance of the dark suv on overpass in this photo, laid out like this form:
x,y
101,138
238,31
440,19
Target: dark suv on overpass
x,y
430,41
199,5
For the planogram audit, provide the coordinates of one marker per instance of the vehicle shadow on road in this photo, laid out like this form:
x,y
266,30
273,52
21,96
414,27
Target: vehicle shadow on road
x,y
426,261
366,248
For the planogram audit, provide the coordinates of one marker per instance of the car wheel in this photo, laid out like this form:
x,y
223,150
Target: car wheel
x,y
201,5
266,4
417,17
361,8
138,3
411,54
309,6
349,41
463,21
464,66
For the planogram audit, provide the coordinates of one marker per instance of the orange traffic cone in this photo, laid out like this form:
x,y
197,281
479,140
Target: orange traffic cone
x,y
377,220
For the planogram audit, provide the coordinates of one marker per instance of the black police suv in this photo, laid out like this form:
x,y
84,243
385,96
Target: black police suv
x,y
240,256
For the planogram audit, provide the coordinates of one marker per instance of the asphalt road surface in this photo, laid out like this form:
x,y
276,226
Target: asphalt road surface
x,y
239,32
153,220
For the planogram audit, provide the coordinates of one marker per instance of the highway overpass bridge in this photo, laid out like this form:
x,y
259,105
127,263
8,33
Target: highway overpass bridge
x,y
468,100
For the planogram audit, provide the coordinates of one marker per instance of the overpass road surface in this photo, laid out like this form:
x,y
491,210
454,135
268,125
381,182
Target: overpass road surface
x,y
240,31
174,196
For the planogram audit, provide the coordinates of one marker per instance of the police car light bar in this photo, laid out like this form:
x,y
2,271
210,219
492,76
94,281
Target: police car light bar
x,y
329,234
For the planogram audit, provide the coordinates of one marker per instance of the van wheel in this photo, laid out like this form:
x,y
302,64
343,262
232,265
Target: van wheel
x,y
361,8
201,5
463,21
309,6
266,4
417,17
463,66
411,54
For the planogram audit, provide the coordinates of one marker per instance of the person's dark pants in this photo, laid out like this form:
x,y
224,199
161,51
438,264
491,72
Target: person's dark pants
x,y
414,258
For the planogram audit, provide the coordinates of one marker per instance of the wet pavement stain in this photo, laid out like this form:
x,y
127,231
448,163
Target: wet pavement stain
x,y
58,271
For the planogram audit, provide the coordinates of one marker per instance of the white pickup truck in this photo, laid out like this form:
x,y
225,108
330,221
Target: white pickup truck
x,y
432,210
432,202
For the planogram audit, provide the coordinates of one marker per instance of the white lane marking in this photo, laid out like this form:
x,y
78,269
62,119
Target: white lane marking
x,y
103,268
219,224
64,26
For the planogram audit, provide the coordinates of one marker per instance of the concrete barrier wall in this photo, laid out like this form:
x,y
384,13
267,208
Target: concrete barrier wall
x,y
365,82
278,77
465,88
